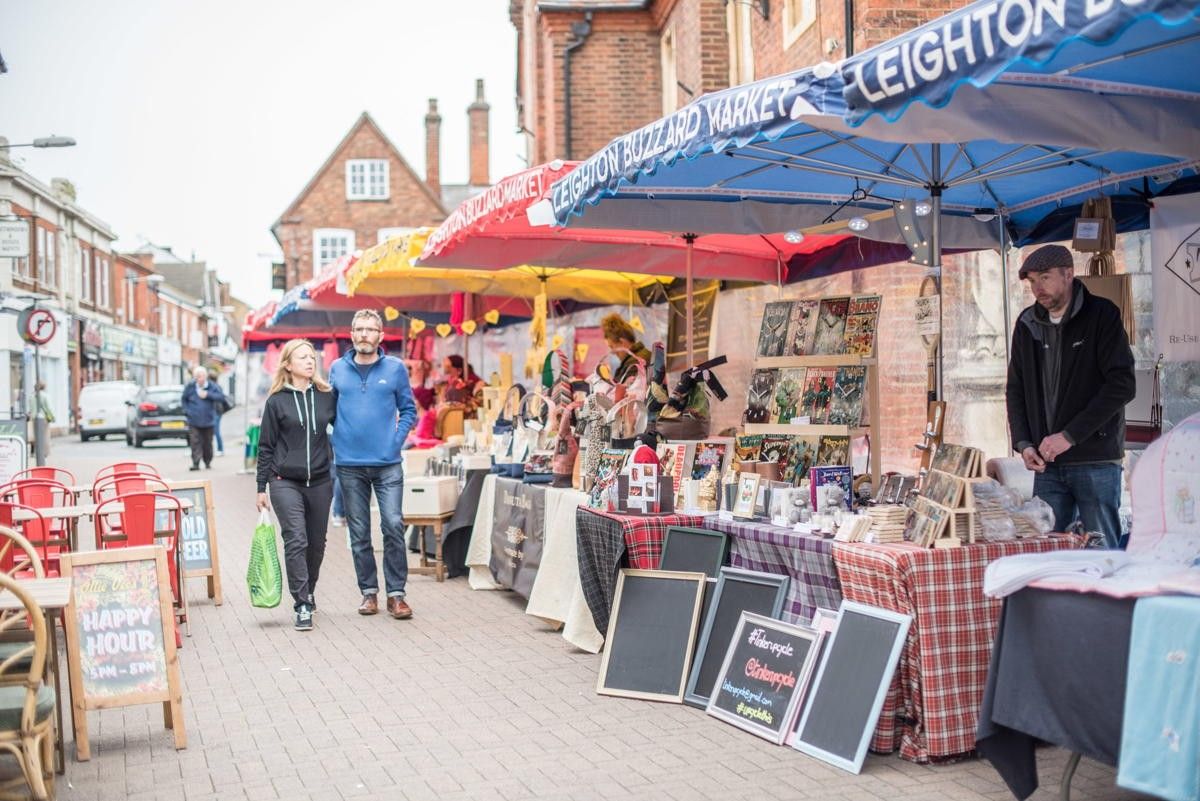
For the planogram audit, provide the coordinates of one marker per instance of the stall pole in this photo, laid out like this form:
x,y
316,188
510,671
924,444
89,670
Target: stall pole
x,y
935,252
690,239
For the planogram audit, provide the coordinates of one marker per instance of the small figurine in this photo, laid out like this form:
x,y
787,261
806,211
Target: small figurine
x,y
708,491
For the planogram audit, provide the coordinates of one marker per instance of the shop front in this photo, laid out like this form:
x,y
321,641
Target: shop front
x,y
128,355
170,361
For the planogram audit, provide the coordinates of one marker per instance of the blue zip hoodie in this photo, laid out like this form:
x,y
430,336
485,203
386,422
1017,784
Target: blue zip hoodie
x,y
374,415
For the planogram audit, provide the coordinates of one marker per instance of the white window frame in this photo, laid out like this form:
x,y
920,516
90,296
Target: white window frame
x,y
104,283
322,255
368,179
670,72
85,274
384,234
739,25
798,17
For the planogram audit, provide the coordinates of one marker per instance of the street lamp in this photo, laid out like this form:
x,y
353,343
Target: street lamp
x,y
43,142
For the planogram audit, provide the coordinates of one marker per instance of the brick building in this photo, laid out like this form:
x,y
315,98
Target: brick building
x,y
590,70
366,191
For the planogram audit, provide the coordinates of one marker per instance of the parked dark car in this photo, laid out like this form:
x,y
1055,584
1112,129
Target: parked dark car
x,y
156,413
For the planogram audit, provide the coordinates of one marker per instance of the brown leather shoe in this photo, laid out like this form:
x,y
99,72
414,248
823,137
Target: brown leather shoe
x,y
369,605
398,609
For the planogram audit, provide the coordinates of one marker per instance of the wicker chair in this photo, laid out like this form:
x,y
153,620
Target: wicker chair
x,y
26,702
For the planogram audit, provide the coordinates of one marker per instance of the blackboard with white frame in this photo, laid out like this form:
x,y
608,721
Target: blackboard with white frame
x,y
847,694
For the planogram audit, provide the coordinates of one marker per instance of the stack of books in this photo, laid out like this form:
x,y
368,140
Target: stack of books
x,y
887,522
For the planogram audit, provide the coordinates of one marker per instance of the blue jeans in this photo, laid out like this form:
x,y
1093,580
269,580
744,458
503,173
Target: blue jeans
x,y
217,434
388,484
339,508
1089,492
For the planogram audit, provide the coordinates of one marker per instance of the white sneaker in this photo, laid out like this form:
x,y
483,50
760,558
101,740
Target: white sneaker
x,y
337,522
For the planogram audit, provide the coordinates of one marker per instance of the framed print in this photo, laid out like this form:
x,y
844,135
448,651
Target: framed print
x,y
747,494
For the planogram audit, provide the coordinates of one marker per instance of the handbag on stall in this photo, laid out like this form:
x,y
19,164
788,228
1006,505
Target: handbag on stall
x,y
594,434
566,449
531,435
629,417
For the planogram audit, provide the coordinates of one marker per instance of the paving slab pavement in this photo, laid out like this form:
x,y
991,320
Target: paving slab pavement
x,y
471,699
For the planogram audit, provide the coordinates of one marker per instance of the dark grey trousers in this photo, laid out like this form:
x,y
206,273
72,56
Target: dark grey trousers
x,y
200,438
303,514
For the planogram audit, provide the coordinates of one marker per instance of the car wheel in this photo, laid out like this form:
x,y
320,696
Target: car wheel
x,y
104,437
128,438
137,441
84,437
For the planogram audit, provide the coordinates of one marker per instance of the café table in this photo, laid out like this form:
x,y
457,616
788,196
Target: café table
x,y
807,559
608,541
74,512
52,595
931,708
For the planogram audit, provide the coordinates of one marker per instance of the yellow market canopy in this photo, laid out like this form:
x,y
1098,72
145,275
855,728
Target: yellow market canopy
x,y
387,270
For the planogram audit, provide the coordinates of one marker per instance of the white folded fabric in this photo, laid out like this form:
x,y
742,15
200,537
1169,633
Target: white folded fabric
x,y
1008,574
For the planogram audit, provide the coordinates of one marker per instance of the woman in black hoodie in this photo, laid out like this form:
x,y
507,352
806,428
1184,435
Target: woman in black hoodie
x,y
295,458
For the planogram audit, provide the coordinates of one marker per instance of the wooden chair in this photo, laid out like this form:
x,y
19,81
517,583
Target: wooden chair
x,y
49,473
449,421
26,701
136,519
18,557
125,467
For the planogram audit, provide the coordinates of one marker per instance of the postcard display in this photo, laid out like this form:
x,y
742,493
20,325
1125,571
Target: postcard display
x,y
815,383
943,514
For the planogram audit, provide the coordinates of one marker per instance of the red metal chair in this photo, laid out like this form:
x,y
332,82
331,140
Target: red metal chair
x,y
125,467
48,473
42,494
113,486
21,558
146,518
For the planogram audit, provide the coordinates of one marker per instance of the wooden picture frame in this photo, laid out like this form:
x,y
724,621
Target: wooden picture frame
x,y
200,516
747,495
719,629
775,664
91,575
677,555
669,632
857,640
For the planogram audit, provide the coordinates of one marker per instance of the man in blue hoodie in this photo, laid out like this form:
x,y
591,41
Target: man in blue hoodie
x,y
375,411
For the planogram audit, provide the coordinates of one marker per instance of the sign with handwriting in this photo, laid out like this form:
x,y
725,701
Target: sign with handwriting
x,y
765,675
121,636
198,546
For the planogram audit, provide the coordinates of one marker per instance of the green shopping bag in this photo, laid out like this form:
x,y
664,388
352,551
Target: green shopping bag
x,y
263,576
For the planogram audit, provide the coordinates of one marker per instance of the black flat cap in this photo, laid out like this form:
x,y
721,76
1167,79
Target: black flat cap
x,y
1045,258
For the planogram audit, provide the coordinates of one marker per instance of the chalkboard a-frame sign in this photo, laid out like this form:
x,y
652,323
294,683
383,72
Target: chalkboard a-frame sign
x,y
198,546
694,549
121,637
853,679
764,676
651,634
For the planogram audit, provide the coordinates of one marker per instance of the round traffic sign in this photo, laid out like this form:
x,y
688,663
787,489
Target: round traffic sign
x,y
38,326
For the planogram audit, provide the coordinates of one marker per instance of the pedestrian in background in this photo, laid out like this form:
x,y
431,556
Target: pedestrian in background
x,y
375,412
295,459
40,407
200,403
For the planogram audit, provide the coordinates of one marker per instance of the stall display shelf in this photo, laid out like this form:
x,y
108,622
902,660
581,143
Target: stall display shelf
x,y
818,360
801,430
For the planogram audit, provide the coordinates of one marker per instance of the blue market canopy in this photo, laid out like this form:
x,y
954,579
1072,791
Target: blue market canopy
x,y
1023,108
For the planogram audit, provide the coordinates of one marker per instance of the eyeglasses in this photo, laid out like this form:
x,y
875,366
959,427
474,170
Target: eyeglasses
x,y
362,332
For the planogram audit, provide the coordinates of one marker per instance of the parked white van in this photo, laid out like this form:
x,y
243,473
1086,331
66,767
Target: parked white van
x,y
101,410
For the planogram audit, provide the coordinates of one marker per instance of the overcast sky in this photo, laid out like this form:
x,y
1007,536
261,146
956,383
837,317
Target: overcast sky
x,y
199,122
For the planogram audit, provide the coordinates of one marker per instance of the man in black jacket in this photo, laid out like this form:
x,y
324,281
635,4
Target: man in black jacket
x,y
1069,379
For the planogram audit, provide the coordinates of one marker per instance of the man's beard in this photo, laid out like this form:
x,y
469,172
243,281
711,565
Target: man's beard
x,y
363,347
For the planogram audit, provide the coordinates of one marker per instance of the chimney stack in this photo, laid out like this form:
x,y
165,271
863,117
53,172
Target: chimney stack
x,y
477,114
433,150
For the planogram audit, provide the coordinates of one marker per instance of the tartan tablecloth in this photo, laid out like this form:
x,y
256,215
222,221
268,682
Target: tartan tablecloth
x,y
806,559
605,539
932,706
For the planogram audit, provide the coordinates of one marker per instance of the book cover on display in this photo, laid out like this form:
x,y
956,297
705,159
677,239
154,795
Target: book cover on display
x,y
710,455
846,403
802,330
862,321
608,467
760,396
834,451
672,457
943,488
773,334
775,448
747,448
789,391
818,391
839,476
957,460
802,455
831,326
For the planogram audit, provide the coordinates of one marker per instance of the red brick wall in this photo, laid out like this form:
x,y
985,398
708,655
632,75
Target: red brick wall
x,y
701,46
326,206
